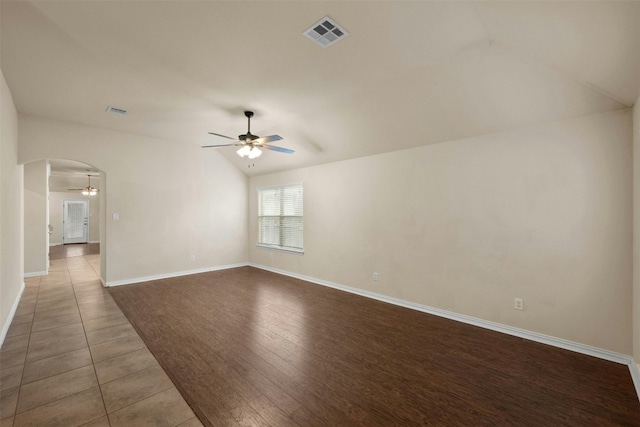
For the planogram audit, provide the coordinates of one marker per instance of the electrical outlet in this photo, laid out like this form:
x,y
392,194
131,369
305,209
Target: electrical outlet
x,y
518,304
192,257
376,277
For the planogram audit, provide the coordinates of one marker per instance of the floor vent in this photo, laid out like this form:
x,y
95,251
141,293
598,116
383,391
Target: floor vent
x,y
325,32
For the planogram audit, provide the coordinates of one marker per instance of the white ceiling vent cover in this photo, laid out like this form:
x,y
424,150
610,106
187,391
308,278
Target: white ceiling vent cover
x,y
325,32
116,110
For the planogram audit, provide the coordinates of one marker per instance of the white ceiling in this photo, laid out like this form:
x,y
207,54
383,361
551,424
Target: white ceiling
x,y
408,73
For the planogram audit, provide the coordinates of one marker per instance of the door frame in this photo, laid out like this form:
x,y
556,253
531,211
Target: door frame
x,y
85,239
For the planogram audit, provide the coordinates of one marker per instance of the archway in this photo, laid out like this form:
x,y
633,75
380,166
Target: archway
x,y
47,185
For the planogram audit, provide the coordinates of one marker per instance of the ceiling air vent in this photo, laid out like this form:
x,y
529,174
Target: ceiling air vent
x,y
325,32
116,110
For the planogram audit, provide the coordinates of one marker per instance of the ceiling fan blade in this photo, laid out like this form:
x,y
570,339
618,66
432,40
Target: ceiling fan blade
x,y
267,139
75,189
278,149
223,136
223,145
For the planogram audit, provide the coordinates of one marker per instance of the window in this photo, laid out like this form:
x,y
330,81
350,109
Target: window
x,y
280,217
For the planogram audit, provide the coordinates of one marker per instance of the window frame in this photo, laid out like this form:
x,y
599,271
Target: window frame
x,y
280,216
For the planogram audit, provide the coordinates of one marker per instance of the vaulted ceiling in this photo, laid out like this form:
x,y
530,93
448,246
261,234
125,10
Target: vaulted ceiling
x,y
408,74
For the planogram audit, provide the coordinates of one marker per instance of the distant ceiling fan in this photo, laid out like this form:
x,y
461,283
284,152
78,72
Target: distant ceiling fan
x,y
88,190
250,144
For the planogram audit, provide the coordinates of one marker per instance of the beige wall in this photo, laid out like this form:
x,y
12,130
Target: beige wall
x,y
173,198
56,199
543,214
11,198
636,232
35,217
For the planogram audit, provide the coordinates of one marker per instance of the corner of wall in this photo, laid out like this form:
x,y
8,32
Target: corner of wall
x,y
636,233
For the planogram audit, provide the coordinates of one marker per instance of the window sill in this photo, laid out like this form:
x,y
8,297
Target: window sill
x,y
282,249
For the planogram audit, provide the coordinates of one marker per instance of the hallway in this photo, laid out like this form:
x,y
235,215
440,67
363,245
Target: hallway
x,y
72,358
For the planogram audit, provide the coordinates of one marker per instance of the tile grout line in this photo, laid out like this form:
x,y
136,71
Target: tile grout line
x,y
56,400
173,385
94,270
37,303
21,378
15,414
138,401
53,375
24,365
96,373
93,365
112,339
121,354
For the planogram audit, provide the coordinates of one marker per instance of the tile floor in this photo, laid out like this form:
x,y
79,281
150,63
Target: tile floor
x,y
71,358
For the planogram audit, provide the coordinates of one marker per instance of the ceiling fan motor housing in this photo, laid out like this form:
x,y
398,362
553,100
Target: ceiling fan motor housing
x,y
251,143
248,137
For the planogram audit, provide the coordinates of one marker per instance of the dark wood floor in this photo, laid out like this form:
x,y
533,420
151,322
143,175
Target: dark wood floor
x,y
249,347
78,249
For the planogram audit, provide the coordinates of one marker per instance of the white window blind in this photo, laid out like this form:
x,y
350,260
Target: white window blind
x,y
280,215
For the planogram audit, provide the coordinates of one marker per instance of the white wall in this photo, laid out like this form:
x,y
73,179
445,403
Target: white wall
x,y
173,198
35,216
56,199
11,219
543,214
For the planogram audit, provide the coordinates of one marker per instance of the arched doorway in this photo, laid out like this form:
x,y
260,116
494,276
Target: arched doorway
x,y
51,186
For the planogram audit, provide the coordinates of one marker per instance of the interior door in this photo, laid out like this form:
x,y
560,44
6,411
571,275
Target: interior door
x,y
75,221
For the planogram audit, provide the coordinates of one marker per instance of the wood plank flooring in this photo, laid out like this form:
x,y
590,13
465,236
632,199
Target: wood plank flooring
x,y
249,347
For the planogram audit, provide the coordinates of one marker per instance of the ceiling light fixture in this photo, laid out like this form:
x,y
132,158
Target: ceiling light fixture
x,y
89,190
249,151
249,143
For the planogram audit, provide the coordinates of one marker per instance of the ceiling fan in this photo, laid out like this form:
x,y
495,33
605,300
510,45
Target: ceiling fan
x,y
86,191
250,144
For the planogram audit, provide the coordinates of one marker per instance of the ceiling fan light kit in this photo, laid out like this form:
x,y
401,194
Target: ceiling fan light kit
x,y
88,190
250,144
250,152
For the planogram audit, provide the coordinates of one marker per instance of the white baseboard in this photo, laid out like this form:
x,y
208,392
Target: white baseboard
x,y
12,312
169,275
36,274
498,327
635,376
94,241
